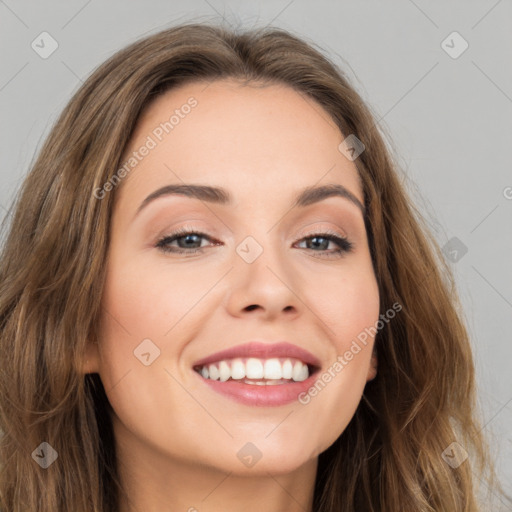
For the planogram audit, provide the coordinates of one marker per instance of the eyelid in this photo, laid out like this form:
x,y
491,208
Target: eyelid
x,y
322,228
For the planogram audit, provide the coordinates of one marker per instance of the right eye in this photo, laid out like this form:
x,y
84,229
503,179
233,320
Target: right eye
x,y
187,242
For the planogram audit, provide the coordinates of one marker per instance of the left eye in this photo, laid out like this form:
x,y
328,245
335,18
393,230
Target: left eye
x,y
190,242
322,241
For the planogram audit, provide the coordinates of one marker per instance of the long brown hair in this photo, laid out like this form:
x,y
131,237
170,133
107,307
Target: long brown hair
x,y
52,270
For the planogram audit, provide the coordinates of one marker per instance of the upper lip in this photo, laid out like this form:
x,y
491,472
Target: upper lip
x,y
262,351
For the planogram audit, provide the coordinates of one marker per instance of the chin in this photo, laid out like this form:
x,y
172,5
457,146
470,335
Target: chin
x,y
249,459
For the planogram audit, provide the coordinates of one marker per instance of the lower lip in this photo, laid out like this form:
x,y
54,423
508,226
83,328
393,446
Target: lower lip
x,y
260,395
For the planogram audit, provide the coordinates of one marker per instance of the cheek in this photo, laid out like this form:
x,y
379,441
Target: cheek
x,y
347,300
349,306
148,299
355,309
140,309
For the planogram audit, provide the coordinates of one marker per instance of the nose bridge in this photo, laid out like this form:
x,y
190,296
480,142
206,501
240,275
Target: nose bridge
x,y
262,247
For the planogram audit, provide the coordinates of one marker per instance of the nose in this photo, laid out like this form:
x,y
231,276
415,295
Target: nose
x,y
265,287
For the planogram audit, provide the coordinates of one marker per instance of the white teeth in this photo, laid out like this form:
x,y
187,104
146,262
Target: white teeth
x,y
287,369
254,368
300,372
214,372
257,371
224,371
237,369
272,369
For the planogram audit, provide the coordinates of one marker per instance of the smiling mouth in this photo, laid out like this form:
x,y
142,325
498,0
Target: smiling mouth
x,y
256,371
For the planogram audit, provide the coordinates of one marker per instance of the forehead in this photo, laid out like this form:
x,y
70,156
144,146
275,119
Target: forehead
x,y
249,138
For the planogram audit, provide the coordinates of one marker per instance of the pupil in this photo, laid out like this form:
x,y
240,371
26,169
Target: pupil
x,y
315,242
189,238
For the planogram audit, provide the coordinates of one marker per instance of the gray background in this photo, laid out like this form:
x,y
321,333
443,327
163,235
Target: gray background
x,y
449,119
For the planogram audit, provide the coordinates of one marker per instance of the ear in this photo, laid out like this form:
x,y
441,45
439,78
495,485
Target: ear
x,y
372,370
91,361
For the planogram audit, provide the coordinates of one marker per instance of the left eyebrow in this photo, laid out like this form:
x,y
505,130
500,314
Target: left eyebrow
x,y
311,195
218,195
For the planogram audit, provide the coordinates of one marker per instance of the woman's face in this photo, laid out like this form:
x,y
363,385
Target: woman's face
x,y
262,271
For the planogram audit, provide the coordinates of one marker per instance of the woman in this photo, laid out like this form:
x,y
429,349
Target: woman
x,y
216,294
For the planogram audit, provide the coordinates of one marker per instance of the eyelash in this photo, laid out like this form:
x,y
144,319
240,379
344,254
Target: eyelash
x,y
343,243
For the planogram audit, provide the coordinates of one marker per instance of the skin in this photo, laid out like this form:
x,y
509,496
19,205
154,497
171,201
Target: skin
x,y
177,440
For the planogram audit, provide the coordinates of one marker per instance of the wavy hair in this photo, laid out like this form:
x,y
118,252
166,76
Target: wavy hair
x,y
52,270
